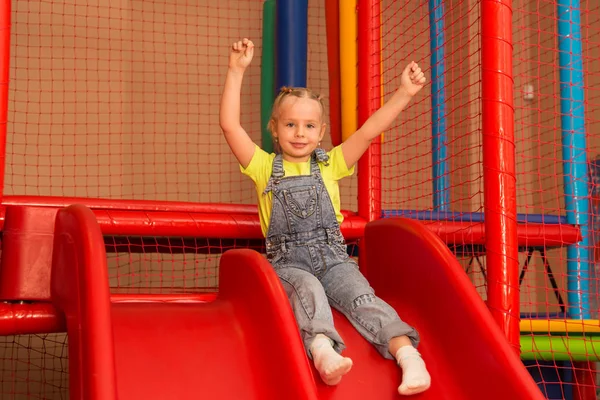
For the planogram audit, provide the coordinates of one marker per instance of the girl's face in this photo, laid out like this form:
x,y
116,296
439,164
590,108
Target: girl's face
x,y
299,128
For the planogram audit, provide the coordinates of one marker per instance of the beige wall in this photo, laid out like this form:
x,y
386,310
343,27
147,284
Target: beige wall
x,y
121,101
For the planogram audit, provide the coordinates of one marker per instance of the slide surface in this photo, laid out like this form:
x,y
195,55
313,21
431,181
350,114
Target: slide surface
x,y
245,345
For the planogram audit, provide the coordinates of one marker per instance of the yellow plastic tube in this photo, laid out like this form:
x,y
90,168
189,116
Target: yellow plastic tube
x,y
348,65
560,326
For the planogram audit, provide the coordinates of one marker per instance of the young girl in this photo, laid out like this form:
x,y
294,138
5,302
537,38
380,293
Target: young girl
x,y
299,208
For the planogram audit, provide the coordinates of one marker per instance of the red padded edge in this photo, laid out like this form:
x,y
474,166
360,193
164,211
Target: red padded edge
x,y
80,290
27,253
468,355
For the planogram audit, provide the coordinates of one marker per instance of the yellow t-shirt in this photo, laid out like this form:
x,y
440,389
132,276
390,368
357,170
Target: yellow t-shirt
x,y
261,167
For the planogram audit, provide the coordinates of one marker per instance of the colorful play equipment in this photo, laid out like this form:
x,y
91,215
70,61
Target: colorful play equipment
x,y
110,334
348,73
291,42
439,136
332,18
574,153
154,343
267,73
546,346
285,34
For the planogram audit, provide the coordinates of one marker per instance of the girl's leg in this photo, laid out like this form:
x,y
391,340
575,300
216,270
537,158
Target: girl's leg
x,y
350,293
315,322
415,377
330,364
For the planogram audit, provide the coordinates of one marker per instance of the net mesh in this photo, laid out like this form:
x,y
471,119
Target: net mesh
x,y
34,366
547,289
120,100
560,357
408,151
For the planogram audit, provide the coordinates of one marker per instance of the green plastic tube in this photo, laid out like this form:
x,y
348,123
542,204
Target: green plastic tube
x,y
267,73
560,348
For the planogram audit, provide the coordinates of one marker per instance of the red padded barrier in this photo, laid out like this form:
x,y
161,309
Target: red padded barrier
x,y
26,253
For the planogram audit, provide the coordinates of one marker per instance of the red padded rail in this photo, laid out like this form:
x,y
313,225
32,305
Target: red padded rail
x,y
28,235
238,221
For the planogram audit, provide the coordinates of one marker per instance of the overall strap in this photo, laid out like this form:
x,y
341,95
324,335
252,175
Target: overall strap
x,y
277,173
319,155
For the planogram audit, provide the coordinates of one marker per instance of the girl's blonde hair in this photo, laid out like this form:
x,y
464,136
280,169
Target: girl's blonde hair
x,y
285,92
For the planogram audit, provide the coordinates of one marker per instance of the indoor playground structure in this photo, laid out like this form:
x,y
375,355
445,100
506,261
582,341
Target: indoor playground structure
x,y
131,262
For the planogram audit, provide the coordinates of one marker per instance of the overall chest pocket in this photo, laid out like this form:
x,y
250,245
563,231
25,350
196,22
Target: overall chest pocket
x,y
302,202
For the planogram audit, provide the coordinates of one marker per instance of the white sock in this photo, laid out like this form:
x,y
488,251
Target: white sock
x,y
331,365
415,378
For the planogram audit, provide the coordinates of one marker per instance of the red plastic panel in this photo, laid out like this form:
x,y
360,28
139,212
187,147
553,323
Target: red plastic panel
x,y
244,345
467,353
80,290
27,253
183,351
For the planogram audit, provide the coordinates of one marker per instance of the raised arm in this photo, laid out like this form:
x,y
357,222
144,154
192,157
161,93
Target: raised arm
x,y
229,115
411,81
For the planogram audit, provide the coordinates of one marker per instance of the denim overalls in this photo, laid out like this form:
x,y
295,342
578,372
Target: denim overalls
x,y
308,252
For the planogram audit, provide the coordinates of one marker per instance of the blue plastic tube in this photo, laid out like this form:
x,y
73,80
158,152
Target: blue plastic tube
x,y
291,43
574,154
440,170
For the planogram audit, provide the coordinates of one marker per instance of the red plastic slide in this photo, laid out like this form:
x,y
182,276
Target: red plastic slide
x,y
244,343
